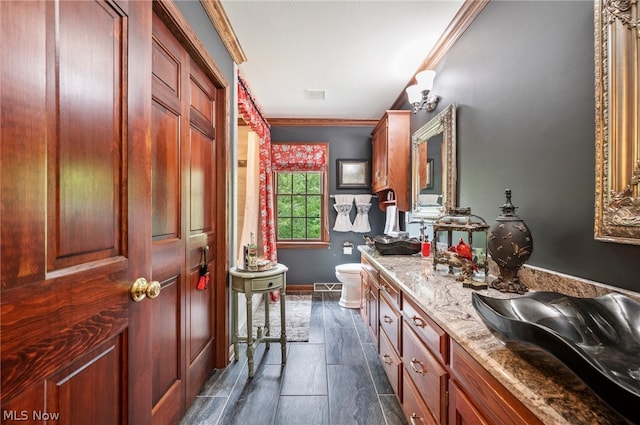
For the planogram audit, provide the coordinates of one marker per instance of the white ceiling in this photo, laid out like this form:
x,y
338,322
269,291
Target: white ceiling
x,y
362,53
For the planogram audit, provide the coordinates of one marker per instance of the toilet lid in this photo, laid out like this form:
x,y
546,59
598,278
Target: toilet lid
x,y
349,268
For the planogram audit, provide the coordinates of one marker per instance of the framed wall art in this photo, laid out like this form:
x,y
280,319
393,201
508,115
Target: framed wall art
x,y
352,174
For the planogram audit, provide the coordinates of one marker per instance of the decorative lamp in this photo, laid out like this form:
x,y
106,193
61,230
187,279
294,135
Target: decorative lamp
x,y
418,94
510,245
467,256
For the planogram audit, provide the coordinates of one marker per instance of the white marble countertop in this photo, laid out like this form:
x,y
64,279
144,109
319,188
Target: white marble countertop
x,y
553,394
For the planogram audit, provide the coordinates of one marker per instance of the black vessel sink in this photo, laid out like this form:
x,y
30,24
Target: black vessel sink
x,y
598,339
387,245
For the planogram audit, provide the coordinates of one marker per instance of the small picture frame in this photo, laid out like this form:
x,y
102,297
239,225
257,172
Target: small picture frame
x,y
352,173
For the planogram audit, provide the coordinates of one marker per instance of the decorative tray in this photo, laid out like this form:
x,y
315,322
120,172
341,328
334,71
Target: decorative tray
x,y
263,266
598,339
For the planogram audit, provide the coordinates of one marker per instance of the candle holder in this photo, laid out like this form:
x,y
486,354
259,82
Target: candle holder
x,y
466,256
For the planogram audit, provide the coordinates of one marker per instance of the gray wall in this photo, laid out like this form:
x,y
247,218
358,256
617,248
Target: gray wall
x,y
308,266
523,76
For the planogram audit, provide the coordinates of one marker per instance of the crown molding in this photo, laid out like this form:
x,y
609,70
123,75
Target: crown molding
x,y
468,12
220,21
320,122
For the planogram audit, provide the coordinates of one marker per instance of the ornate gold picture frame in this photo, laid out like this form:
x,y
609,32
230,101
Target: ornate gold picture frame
x,y
617,86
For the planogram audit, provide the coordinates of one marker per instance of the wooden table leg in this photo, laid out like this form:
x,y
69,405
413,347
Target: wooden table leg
x,y
249,297
283,327
267,324
234,320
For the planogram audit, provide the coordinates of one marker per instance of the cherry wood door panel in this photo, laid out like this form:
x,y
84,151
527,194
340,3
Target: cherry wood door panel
x,y
169,155
166,191
203,213
71,391
75,116
87,162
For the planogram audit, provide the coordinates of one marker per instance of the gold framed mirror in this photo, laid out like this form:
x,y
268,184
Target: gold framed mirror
x,y
434,173
617,85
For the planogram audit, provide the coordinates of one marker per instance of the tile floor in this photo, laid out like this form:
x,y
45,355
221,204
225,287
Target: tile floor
x,y
334,379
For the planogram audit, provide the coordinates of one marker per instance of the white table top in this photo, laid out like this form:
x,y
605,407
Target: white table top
x,y
278,269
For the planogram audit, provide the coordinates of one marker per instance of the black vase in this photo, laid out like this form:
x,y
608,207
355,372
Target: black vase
x,y
510,245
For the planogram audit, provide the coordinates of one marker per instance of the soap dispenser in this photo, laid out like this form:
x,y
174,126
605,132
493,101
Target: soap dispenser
x,y
424,241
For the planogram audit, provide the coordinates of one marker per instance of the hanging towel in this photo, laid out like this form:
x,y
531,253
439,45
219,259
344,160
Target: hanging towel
x,y
343,206
361,222
391,224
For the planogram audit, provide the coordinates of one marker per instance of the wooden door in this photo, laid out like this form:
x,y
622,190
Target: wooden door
x,y
183,225
75,197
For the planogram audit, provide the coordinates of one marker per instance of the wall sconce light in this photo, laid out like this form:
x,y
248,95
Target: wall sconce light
x,y
418,93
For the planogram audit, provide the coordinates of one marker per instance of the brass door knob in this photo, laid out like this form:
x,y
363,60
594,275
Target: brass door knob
x,y
142,288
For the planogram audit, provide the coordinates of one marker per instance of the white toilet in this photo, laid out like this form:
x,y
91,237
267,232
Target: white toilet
x,y
349,275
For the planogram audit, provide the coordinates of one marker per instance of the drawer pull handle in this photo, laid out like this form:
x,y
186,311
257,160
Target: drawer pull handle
x,y
413,366
387,319
413,418
387,359
418,321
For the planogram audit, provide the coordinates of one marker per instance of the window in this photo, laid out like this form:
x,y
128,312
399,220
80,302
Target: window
x,y
301,196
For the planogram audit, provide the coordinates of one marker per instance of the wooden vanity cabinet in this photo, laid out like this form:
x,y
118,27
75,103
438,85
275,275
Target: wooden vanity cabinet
x,y
391,159
390,348
436,380
479,397
369,295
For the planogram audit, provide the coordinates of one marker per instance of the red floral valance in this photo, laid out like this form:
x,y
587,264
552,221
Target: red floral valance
x,y
298,156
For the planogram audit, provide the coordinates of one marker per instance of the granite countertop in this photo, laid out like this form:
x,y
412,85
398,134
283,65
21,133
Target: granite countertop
x,y
553,394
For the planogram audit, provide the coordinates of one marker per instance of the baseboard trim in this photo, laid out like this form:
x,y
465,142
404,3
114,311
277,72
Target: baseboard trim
x,y
300,288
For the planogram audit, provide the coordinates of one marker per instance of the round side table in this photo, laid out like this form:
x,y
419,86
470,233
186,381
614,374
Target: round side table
x,y
258,282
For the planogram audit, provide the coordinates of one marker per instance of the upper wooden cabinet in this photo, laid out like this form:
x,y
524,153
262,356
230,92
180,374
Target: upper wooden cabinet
x,y
391,160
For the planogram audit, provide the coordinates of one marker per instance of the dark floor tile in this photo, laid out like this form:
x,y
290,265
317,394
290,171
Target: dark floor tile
x,y
392,410
336,379
379,376
221,381
204,411
343,346
316,326
306,371
302,410
352,397
255,400
336,316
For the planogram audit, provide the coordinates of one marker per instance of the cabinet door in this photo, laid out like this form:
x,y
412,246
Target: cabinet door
x,y
372,306
379,157
461,410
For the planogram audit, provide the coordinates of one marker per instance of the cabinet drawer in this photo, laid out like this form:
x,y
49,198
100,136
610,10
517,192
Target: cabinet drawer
x,y
429,332
267,283
429,377
413,407
390,322
492,399
390,290
370,271
391,363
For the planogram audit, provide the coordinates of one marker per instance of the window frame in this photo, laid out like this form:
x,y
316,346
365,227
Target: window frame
x,y
324,241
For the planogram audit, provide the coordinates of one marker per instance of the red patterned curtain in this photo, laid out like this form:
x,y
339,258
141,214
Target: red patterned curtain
x,y
255,119
298,157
